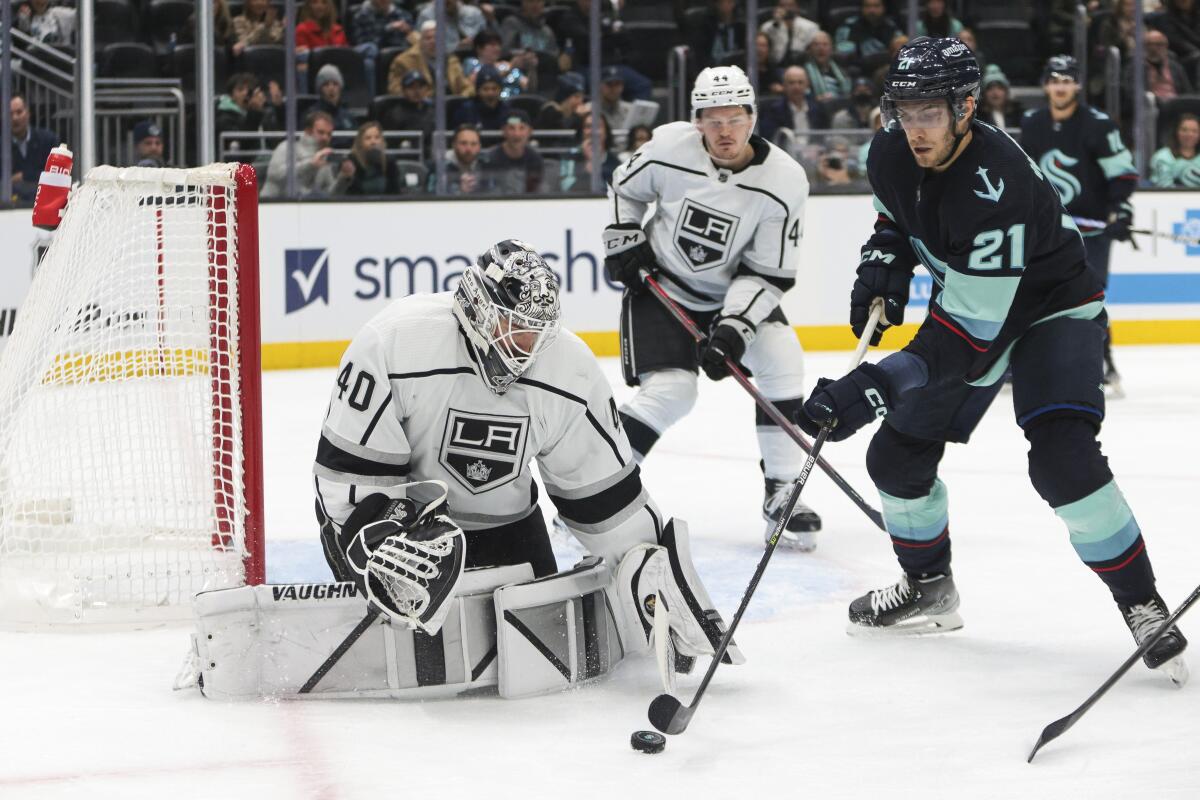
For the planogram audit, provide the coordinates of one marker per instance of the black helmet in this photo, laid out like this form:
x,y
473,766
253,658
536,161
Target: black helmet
x,y
1062,66
928,68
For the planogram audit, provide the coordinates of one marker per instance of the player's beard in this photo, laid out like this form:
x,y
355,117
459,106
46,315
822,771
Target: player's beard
x,y
939,149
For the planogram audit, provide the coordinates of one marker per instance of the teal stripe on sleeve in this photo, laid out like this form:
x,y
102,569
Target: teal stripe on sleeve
x,y
1117,165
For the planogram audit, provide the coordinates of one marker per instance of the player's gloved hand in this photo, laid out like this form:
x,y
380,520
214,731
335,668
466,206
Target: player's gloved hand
x,y
626,252
729,339
849,403
1120,220
877,277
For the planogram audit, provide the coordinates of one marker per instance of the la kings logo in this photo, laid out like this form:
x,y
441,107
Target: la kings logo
x,y
704,235
483,451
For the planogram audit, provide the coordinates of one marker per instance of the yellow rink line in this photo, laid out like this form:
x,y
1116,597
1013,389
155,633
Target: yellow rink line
x,y
304,355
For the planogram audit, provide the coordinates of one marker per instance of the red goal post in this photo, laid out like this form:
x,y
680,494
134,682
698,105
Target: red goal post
x,y
131,405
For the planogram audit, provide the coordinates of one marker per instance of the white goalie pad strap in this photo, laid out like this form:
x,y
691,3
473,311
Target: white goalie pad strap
x,y
557,632
283,641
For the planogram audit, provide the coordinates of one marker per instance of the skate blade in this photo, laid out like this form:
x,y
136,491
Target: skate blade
x,y
1176,669
917,626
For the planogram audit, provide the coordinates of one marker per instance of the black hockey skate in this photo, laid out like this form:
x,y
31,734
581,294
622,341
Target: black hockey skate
x,y
800,533
1167,653
910,607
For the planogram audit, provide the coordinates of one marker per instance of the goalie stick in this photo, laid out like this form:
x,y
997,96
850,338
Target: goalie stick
x,y
766,405
667,713
1060,726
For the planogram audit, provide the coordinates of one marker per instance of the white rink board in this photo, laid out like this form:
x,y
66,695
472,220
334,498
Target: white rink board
x,y
328,267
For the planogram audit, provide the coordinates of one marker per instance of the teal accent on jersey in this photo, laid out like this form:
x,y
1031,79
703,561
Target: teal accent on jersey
x,y
1168,170
1056,166
1117,164
979,304
996,371
937,268
879,206
920,520
1101,525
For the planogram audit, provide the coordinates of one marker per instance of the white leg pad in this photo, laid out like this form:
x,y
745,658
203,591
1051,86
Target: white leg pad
x,y
558,631
269,641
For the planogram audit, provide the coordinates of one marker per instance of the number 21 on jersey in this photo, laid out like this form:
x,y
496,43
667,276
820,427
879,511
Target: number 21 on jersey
x,y
988,255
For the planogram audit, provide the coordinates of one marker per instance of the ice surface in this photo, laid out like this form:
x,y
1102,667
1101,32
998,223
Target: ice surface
x,y
813,714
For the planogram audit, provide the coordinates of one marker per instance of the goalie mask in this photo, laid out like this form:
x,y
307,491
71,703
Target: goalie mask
x,y
507,305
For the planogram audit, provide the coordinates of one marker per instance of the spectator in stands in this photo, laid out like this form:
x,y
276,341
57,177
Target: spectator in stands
x,y
788,34
377,24
1165,76
514,75
828,80
560,113
996,106
46,23
463,23
770,78
967,37
717,37
876,121
638,136
797,112
615,110
367,170
573,174
413,111
148,144
318,27
259,23
1181,25
314,173
464,170
571,29
514,166
330,84
857,115
834,166
527,37
1116,29
936,20
246,108
224,34
1178,164
863,42
420,57
486,110
30,148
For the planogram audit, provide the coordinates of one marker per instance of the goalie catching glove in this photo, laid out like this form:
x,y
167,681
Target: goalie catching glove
x,y
661,579
408,555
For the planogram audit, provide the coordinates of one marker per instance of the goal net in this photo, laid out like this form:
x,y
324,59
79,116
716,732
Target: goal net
x,y
130,412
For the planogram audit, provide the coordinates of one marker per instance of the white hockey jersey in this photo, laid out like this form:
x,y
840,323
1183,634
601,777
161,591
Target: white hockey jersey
x,y
724,240
409,404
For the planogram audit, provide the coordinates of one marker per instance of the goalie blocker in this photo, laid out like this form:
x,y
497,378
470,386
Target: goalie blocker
x,y
495,628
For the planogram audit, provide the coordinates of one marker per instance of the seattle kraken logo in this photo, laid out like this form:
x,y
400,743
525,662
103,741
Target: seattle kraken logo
x,y
1055,164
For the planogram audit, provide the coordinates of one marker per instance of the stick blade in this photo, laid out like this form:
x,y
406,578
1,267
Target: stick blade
x,y
1050,733
669,715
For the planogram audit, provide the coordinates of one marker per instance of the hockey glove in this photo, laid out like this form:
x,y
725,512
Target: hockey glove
x,y
729,339
626,252
1120,220
849,403
878,276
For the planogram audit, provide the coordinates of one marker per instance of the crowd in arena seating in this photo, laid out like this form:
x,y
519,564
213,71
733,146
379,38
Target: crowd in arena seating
x,y
516,74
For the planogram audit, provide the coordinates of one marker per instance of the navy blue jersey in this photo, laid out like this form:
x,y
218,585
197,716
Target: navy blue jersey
x,y
1083,158
995,237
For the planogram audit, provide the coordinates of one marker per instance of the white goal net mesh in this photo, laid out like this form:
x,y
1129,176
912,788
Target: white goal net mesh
x,y
121,468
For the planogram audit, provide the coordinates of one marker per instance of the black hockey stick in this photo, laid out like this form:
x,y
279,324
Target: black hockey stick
x,y
766,405
1060,726
1179,238
667,713
336,656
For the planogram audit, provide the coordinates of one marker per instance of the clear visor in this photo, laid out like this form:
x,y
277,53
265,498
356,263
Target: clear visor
x,y
736,125
519,339
915,114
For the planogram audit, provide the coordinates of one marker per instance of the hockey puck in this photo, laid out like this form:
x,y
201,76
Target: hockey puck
x,y
648,742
